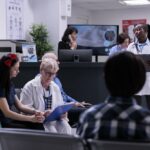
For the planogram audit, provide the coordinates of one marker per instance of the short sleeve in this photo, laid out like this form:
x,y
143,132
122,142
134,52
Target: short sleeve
x,y
13,89
2,92
11,96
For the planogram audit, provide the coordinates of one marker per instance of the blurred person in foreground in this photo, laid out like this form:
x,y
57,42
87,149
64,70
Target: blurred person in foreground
x,y
119,117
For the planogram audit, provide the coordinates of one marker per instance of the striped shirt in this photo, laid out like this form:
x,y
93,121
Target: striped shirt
x,y
116,118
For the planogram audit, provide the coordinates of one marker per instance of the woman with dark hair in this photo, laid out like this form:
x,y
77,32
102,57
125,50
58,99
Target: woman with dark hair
x,y
69,39
123,40
9,68
119,117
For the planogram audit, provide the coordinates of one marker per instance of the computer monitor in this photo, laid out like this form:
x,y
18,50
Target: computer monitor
x,y
78,55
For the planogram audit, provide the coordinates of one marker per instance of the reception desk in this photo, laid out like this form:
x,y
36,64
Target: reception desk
x,y
83,81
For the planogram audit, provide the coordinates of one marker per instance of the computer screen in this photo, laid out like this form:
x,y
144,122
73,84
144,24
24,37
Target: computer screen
x,y
97,37
78,55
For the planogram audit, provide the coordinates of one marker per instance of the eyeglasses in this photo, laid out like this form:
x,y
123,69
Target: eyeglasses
x,y
49,73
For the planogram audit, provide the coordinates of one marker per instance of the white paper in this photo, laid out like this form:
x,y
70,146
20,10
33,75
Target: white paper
x,y
14,19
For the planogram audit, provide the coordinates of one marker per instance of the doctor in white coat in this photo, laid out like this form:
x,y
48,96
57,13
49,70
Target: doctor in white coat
x,y
141,45
43,94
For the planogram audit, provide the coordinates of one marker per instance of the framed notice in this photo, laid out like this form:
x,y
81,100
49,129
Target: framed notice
x,y
128,26
29,53
14,19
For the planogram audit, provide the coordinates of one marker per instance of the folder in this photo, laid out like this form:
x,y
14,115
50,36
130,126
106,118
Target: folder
x,y
58,111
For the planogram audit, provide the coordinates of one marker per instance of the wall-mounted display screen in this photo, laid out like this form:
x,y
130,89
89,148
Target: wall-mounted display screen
x,y
97,37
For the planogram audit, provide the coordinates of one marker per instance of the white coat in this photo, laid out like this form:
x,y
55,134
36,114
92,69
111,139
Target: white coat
x,y
145,50
32,96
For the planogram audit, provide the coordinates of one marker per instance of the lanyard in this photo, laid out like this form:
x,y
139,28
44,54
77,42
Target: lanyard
x,y
139,47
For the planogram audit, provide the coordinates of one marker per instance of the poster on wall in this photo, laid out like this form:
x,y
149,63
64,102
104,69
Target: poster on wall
x,y
128,25
29,53
14,19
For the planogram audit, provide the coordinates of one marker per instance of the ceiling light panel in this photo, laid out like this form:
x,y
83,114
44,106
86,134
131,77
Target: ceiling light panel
x,y
135,2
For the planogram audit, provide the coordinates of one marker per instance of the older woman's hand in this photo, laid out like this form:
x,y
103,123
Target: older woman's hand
x,y
65,116
47,112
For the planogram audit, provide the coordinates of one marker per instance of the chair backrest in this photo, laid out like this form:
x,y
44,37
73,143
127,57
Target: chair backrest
x,y
117,145
13,139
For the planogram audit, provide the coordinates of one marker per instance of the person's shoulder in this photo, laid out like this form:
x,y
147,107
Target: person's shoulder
x,y
113,49
92,111
141,112
148,41
131,44
30,83
54,85
56,79
2,91
132,47
146,116
145,111
61,43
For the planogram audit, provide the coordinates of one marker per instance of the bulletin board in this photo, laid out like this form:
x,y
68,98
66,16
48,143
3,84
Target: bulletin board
x,y
128,25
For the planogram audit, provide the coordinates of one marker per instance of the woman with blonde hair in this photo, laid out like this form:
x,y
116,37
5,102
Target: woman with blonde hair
x,y
43,94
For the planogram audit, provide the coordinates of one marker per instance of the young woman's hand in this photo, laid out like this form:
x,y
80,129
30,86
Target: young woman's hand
x,y
37,117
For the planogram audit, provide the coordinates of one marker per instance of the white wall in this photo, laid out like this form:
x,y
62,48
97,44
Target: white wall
x,y
48,12
2,19
45,14
116,16
79,16
107,17
28,17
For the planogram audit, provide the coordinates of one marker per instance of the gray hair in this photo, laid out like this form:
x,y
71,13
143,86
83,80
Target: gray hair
x,y
49,65
49,55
